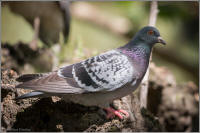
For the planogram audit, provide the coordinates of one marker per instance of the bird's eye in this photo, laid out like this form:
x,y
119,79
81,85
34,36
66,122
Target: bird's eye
x,y
150,32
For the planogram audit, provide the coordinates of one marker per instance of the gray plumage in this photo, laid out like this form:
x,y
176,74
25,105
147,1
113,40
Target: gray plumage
x,y
98,80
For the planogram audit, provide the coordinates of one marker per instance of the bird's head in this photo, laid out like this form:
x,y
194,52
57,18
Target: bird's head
x,y
149,35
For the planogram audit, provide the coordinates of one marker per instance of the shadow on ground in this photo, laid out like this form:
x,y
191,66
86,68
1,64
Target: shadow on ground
x,y
46,115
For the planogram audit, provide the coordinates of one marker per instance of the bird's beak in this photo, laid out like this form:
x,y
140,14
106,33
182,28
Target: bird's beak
x,y
160,40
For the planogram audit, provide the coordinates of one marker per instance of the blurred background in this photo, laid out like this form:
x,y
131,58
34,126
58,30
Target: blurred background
x,y
90,28
43,36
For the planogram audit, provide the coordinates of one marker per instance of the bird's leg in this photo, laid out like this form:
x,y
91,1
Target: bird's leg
x,y
111,113
33,43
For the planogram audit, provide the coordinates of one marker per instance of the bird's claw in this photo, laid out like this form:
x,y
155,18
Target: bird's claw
x,y
111,113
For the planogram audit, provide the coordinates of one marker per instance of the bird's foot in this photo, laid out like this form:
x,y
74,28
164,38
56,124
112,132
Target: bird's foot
x,y
111,113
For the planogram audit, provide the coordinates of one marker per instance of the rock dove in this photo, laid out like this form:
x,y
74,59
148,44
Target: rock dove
x,y
99,80
54,18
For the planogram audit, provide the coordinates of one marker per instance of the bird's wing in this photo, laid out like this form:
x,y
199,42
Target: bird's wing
x,y
105,72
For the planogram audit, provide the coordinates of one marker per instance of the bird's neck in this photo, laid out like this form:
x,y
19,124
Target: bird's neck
x,y
139,54
137,50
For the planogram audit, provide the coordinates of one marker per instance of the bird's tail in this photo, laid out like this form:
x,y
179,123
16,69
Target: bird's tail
x,y
28,77
31,95
47,83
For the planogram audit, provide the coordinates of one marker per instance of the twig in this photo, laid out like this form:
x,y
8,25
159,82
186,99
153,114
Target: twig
x,y
144,85
153,13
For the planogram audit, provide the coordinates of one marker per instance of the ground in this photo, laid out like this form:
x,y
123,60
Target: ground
x,y
171,107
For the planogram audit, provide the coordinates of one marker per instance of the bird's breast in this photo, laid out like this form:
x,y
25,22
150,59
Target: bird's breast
x,y
139,58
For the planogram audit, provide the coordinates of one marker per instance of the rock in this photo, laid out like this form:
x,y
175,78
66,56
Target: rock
x,y
176,106
21,58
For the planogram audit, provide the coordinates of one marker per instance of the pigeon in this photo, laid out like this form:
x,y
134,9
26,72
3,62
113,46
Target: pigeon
x,y
54,18
99,80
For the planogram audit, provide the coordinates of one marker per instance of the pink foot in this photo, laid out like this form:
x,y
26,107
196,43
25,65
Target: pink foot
x,y
111,113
